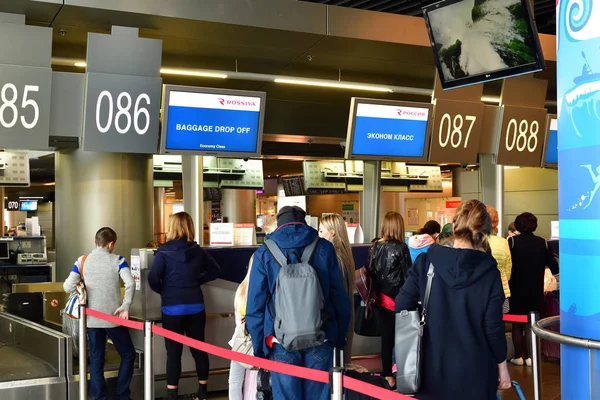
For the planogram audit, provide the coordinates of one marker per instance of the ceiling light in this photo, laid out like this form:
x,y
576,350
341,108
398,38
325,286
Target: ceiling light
x,y
333,84
192,72
30,197
490,99
81,64
511,167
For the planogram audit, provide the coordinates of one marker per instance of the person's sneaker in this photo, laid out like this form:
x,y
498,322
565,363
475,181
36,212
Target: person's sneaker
x,y
517,361
528,362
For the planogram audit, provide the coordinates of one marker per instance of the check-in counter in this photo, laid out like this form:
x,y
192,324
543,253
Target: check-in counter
x,y
33,360
220,324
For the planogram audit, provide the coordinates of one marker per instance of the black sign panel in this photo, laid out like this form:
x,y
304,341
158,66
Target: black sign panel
x,y
456,131
522,136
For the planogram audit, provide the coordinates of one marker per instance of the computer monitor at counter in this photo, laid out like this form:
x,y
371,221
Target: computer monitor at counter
x,y
234,260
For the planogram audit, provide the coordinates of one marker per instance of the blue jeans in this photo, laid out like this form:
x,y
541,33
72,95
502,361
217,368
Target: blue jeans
x,y
97,343
286,387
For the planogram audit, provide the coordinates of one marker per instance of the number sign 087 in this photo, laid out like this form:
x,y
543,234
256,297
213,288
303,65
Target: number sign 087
x,y
451,130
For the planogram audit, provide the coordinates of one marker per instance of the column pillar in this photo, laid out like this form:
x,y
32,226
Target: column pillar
x,y
238,206
369,200
158,226
491,178
391,201
579,205
94,190
193,192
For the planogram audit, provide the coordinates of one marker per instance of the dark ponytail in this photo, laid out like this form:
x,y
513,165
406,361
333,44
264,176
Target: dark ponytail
x,y
473,223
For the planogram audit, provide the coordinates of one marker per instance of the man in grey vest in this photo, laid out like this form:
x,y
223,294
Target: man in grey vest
x,y
295,265
101,272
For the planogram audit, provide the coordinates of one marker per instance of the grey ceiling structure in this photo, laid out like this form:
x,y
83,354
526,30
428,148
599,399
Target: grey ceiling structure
x,y
545,10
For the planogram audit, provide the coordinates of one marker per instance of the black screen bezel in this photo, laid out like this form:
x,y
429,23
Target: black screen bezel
x,y
539,65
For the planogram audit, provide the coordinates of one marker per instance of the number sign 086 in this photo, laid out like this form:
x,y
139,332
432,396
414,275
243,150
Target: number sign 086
x,y
123,117
9,106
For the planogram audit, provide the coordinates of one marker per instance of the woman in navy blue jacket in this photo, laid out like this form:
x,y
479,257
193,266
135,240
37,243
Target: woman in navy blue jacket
x,y
180,267
464,350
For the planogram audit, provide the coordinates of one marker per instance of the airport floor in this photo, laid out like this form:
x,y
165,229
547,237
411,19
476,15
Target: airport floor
x,y
523,375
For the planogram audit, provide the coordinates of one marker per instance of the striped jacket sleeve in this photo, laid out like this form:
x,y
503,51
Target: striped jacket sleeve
x,y
74,277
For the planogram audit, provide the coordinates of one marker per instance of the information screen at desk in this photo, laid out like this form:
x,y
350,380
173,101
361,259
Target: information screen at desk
x,y
388,130
551,151
212,122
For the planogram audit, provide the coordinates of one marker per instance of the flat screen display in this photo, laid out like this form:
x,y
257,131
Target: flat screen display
x,y
4,251
28,205
551,152
476,41
380,129
216,122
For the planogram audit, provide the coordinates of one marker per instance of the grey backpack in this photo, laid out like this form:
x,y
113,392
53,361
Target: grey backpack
x,y
298,301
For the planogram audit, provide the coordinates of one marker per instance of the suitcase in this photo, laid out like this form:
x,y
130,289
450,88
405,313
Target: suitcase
x,y
250,384
517,389
551,309
373,379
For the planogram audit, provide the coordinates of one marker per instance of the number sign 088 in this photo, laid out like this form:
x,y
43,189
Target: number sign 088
x,y
517,135
9,106
451,130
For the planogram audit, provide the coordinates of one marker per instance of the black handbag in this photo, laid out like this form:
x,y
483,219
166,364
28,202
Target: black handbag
x,y
366,327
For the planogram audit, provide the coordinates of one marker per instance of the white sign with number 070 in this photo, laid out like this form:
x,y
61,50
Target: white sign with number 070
x,y
451,130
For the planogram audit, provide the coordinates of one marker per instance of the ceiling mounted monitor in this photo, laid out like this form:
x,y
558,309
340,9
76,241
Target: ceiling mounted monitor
x,y
388,130
213,122
477,41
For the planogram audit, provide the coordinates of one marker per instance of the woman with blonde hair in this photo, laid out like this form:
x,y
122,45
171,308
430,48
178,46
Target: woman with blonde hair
x,y
501,252
237,372
180,267
333,229
390,264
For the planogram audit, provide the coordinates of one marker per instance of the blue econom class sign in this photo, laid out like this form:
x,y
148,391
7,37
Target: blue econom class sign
x,y
207,122
390,131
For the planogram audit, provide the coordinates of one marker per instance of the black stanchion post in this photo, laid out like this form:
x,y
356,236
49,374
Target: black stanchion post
x,y
536,358
82,353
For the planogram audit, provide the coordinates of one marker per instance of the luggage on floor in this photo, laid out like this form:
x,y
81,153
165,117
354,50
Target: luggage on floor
x,y
517,388
250,385
551,309
359,374
263,385
373,379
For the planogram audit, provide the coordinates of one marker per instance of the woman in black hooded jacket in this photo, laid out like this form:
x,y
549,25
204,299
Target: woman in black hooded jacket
x,y
390,264
464,348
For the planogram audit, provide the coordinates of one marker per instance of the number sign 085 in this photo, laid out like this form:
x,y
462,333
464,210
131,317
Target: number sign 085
x,y
123,118
10,108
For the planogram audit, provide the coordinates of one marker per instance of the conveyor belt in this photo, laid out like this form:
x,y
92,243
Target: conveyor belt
x,y
19,365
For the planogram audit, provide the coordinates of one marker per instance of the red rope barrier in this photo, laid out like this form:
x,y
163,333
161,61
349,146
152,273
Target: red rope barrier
x,y
273,366
523,319
115,320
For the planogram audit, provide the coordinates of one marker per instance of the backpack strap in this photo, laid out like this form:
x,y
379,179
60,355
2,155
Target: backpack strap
x,y
276,253
81,267
308,251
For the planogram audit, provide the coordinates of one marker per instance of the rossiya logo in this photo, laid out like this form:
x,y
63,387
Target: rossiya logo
x,y
235,102
411,113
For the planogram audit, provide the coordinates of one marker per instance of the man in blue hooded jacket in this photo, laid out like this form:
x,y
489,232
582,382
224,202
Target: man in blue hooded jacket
x,y
292,236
